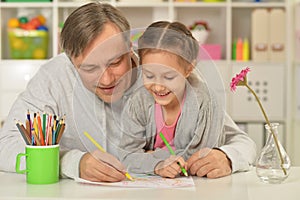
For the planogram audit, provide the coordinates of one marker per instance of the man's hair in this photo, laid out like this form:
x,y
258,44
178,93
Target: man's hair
x,y
85,23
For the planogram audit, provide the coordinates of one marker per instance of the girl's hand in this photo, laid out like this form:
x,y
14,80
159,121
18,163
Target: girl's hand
x,y
170,168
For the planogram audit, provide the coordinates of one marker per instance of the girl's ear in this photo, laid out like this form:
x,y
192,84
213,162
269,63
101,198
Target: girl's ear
x,y
189,70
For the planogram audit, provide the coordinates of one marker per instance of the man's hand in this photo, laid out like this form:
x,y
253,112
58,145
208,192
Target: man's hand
x,y
101,167
212,163
169,168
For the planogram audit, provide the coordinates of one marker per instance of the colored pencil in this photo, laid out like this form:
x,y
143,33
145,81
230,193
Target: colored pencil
x,y
35,137
172,152
23,134
93,141
27,135
60,133
56,131
44,124
40,131
101,149
40,128
48,129
34,125
30,127
54,123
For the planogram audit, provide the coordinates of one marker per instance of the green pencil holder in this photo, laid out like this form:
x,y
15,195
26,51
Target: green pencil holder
x,y
42,164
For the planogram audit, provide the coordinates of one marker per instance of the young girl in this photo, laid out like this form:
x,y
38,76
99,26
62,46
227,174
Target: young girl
x,y
174,101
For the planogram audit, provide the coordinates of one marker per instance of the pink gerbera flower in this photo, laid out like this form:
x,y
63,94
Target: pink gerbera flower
x,y
239,79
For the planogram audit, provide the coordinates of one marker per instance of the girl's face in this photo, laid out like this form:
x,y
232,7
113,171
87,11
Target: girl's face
x,y
164,77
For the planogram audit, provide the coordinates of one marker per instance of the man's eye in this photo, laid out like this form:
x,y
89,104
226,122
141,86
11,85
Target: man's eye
x,y
116,62
90,68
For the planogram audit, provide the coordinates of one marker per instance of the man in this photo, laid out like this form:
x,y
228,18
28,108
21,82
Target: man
x,y
81,83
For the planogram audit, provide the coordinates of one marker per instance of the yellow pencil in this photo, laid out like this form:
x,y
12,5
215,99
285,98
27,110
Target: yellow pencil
x,y
101,149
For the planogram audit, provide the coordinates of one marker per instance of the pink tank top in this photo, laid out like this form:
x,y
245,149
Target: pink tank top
x,y
167,130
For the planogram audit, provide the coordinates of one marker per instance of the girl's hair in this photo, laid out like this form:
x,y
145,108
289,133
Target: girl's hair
x,y
172,37
85,23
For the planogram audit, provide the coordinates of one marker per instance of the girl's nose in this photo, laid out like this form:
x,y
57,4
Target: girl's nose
x,y
159,87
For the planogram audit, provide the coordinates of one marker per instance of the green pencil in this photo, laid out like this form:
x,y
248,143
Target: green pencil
x,y
44,125
172,152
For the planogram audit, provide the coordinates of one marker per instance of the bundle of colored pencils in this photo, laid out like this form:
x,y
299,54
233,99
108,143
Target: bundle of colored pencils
x,y
42,130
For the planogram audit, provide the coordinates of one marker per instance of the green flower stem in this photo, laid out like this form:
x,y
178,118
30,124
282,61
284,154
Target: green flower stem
x,y
268,122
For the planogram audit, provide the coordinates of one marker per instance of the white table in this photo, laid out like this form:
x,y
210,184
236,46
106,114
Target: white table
x,y
239,186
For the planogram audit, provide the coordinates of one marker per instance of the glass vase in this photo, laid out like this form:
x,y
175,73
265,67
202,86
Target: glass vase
x,y
273,163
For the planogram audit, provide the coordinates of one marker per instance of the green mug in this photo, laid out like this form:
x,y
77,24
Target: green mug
x,y
42,164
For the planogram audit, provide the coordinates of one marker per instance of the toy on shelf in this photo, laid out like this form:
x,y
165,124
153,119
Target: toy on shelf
x,y
28,38
213,1
200,31
135,34
185,0
27,1
241,49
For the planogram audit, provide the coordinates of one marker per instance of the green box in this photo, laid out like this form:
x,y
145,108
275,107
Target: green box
x,y
28,0
28,44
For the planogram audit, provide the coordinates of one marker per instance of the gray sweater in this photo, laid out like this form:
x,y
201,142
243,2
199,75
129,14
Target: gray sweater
x,y
56,88
192,130
200,125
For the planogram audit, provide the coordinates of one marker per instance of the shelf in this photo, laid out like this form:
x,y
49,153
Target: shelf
x,y
258,5
10,62
254,63
141,4
221,16
227,20
200,4
26,5
69,4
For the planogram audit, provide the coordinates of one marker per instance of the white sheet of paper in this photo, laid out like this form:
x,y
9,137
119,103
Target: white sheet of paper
x,y
147,181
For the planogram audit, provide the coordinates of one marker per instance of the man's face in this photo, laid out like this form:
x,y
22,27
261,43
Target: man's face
x,y
103,64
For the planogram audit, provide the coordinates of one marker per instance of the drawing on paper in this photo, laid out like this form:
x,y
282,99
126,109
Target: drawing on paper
x,y
147,181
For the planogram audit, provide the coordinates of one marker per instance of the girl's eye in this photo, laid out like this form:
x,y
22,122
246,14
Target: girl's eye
x,y
169,77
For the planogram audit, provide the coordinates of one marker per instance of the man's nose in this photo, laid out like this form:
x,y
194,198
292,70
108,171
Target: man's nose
x,y
107,77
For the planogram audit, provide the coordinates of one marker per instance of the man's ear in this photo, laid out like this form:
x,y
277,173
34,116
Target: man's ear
x,y
74,61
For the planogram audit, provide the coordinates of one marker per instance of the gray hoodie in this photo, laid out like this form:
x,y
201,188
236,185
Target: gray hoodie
x,y
201,124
